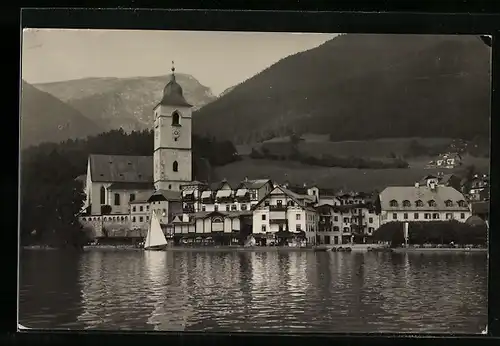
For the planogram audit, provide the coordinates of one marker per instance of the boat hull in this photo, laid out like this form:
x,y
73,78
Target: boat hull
x,y
156,248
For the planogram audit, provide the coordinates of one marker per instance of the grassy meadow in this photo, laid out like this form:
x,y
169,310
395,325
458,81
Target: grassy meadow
x,y
341,178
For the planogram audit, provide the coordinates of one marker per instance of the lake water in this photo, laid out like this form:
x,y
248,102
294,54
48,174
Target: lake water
x,y
254,291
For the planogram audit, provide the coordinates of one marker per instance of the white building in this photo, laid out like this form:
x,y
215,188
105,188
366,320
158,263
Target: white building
x,y
283,210
423,203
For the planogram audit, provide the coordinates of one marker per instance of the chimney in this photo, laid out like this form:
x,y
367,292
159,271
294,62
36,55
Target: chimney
x,y
304,185
432,186
246,179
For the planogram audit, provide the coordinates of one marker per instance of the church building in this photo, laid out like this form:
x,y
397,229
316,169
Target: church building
x,y
114,182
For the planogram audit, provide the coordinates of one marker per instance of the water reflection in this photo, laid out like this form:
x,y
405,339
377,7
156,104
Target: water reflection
x,y
331,291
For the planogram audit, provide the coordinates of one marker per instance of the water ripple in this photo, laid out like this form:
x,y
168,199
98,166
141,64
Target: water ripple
x,y
300,291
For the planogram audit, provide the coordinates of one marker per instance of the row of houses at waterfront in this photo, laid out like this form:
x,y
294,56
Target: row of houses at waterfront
x,y
263,208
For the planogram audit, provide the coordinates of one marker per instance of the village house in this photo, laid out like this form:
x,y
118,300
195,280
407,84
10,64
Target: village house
x,y
479,188
282,214
346,218
430,202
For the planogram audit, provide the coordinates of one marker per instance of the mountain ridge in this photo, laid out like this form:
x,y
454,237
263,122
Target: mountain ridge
x,y
396,84
126,103
45,118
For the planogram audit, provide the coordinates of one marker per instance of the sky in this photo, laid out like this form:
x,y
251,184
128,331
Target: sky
x,y
217,60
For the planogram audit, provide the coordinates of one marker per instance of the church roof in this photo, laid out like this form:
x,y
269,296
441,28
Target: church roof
x,y
173,94
121,168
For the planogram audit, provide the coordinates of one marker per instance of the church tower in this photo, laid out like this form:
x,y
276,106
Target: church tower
x,y
172,138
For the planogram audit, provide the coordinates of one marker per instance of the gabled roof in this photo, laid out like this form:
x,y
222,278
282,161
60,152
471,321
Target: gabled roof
x,y
141,197
254,184
299,199
121,168
167,195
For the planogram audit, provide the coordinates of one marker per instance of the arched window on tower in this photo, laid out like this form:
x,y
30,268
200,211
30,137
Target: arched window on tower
x,y
176,118
103,195
175,166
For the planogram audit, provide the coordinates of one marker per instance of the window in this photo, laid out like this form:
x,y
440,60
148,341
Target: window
x,y
203,208
336,228
290,203
233,207
133,218
103,195
170,186
346,229
394,216
448,203
133,208
427,216
279,202
176,118
298,228
435,216
406,203
147,218
266,203
462,215
243,207
122,218
393,203
415,216
336,218
405,216
297,217
263,228
370,220
141,208
117,199
132,197
461,204
370,230
141,219
175,139
432,203
263,217
449,216
216,207
105,218
164,211
227,207
147,207
175,166
346,220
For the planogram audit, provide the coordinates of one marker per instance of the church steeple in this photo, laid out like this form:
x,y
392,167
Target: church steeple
x,y
172,93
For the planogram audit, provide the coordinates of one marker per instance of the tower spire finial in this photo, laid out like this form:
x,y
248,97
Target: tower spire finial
x,y
173,70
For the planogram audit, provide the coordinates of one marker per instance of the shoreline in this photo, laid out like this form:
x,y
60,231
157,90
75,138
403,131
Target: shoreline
x,y
422,250
354,248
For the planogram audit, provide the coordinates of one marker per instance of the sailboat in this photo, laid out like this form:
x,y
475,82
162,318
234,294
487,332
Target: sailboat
x,y
155,239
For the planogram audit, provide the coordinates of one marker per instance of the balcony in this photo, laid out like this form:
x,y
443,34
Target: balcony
x,y
243,199
277,208
224,199
188,197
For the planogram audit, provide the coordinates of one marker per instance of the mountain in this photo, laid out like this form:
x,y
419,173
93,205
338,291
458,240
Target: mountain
x,y
123,102
362,86
46,118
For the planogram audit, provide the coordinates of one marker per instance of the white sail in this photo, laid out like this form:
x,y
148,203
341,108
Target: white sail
x,y
155,235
